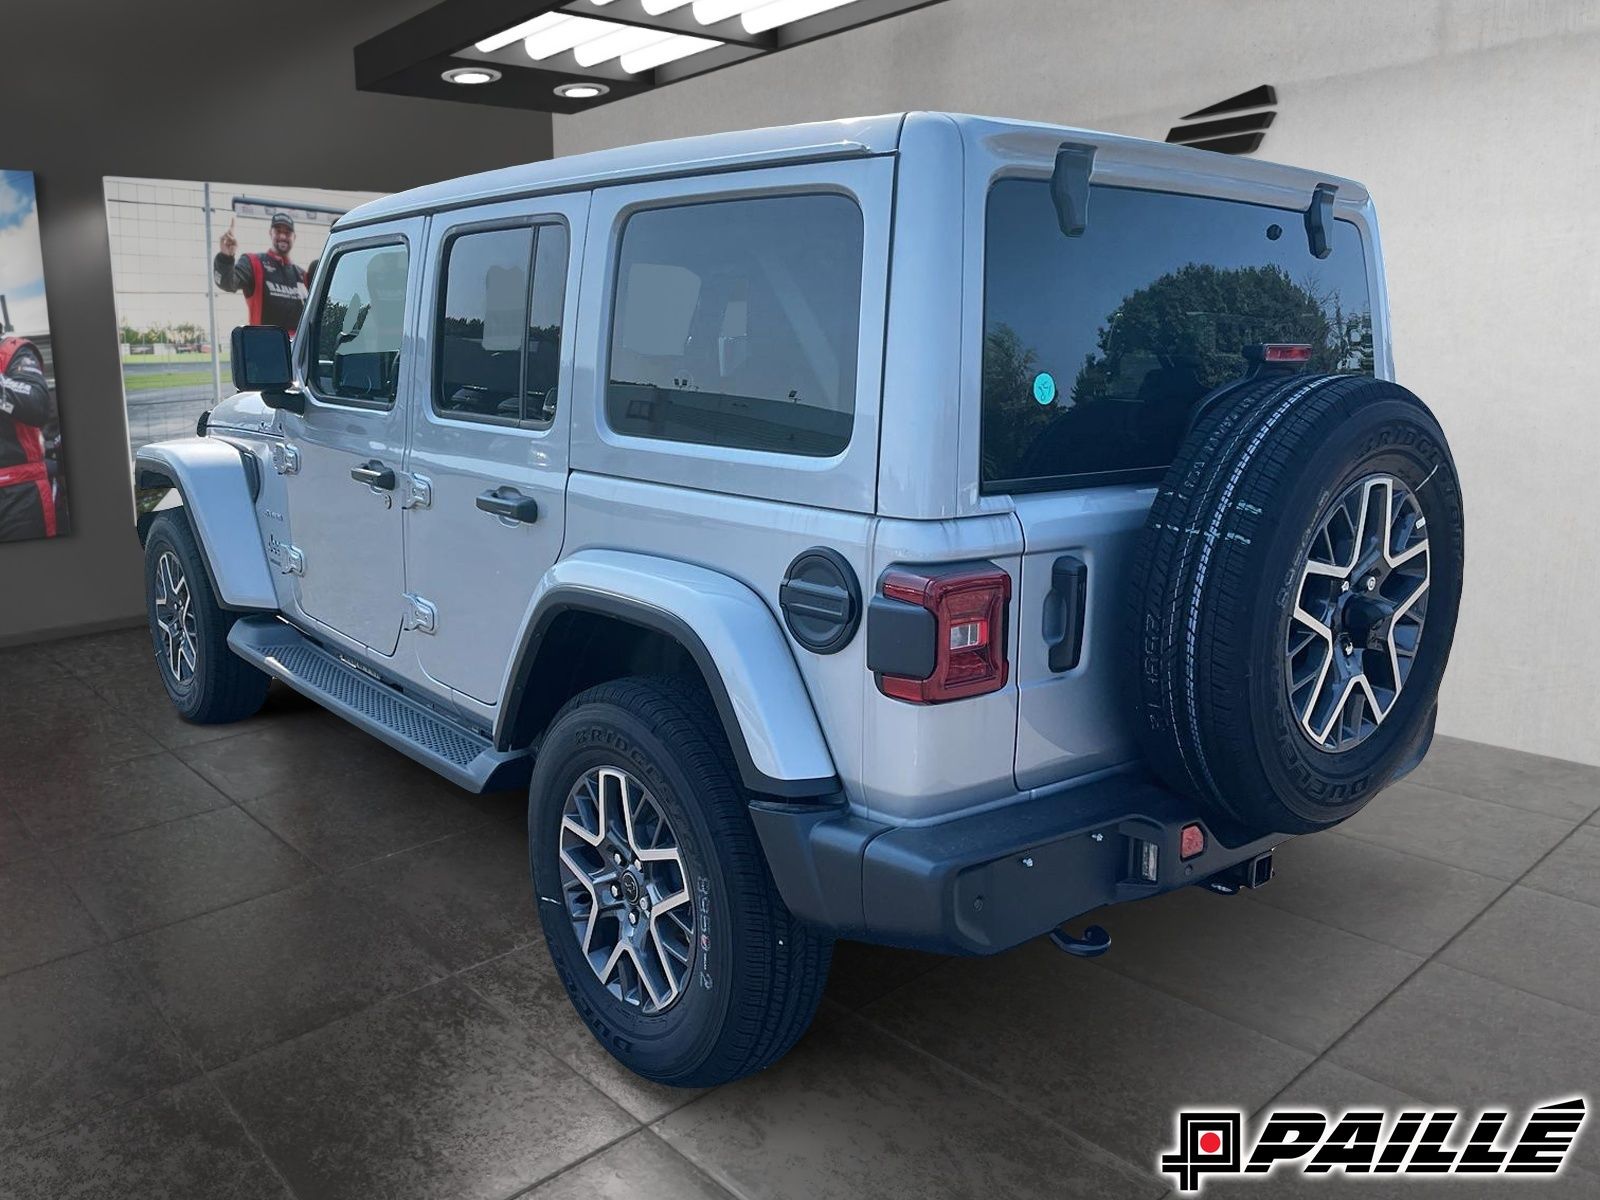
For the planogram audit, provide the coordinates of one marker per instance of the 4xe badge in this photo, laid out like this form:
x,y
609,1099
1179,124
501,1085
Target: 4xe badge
x,y
1211,1143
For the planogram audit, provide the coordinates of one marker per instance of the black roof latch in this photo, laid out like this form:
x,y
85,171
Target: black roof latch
x,y
1319,221
1069,187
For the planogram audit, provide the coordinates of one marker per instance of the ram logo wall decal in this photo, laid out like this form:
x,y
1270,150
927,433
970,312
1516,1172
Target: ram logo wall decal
x,y
1239,128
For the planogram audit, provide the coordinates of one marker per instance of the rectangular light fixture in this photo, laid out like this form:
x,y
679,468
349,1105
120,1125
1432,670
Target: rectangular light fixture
x,y
570,55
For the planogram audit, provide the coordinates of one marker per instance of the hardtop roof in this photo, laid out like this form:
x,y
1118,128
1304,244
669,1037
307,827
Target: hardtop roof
x,y
857,136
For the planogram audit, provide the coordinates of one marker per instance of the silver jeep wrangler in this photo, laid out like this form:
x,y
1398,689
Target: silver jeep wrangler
x,y
921,529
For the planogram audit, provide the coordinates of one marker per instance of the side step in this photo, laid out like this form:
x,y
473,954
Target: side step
x,y
461,755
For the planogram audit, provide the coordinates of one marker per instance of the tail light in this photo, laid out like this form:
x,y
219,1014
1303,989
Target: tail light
x,y
967,655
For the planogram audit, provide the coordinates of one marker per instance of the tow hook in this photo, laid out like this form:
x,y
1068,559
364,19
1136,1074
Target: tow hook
x,y
1094,942
1252,873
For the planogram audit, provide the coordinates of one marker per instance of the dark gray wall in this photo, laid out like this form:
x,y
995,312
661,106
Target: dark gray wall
x,y
184,89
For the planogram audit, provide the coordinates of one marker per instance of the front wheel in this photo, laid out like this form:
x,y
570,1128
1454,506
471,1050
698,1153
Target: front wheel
x,y
658,909
207,682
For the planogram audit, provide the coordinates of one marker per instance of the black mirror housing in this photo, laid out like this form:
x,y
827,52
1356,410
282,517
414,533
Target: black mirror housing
x,y
261,359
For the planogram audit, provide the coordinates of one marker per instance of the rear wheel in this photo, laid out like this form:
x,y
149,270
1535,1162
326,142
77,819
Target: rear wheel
x,y
1297,586
657,906
207,682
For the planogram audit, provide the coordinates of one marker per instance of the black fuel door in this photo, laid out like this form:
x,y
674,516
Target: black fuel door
x,y
821,600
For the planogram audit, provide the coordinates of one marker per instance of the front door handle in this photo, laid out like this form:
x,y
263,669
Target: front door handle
x,y
374,474
509,503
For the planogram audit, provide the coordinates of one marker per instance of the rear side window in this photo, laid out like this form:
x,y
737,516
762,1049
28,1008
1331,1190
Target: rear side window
x,y
357,334
499,336
736,324
1096,348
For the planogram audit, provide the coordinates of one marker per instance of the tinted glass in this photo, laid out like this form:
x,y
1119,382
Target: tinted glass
x,y
359,325
544,323
1096,348
482,324
736,324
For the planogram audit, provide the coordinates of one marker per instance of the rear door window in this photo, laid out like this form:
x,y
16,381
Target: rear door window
x,y
1097,348
736,324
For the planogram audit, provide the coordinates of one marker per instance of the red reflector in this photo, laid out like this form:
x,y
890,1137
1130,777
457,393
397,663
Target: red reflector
x,y
969,610
1191,841
1285,352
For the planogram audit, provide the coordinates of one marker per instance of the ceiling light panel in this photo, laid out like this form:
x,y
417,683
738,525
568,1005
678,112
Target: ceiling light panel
x,y
536,49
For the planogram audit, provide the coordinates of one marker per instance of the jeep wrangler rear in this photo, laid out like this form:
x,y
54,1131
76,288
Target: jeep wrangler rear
x,y
921,529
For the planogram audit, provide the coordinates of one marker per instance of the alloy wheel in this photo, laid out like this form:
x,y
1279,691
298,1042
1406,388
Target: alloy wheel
x,y
175,621
1359,610
626,889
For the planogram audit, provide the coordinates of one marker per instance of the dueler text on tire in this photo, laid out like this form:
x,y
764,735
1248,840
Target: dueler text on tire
x,y
1296,590
209,683
659,911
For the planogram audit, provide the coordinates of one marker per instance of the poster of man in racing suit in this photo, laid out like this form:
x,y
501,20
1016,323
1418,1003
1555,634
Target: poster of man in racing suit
x,y
32,496
273,287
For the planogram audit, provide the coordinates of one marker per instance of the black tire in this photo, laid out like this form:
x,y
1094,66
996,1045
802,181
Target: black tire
x,y
756,973
221,687
1218,574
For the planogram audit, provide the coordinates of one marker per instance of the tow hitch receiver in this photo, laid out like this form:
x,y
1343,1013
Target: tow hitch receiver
x,y
1094,942
1252,873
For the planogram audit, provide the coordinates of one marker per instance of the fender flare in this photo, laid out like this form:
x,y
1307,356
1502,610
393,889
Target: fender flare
x,y
218,492
729,632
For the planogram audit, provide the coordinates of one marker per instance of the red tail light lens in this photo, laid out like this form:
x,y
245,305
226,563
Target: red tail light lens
x,y
1286,352
969,614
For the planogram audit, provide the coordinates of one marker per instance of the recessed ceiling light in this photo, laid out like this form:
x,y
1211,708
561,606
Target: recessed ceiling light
x,y
581,91
470,76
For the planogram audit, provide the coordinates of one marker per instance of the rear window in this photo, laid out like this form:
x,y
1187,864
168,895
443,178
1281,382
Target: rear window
x,y
736,324
1096,348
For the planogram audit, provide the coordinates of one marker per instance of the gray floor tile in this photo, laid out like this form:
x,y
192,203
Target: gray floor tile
x,y
94,735
152,877
76,1037
345,820
1450,1037
24,666
469,895
56,700
525,985
179,1144
96,654
138,694
40,917
76,803
16,843
434,1094
1294,979
862,973
1544,944
1334,1090
1572,868
295,750
1547,785
638,1166
236,981
850,1113
1413,903
1106,1056
1459,831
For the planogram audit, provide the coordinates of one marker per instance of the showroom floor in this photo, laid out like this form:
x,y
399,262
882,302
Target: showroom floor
x,y
279,959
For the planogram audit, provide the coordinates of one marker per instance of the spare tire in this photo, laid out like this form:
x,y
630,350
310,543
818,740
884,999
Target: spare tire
x,y
1296,591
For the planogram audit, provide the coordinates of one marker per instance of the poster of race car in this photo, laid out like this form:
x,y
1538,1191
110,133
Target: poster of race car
x,y
190,260
33,496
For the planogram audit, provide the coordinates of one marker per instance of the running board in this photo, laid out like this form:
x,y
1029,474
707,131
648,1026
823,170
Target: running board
x,y
461,755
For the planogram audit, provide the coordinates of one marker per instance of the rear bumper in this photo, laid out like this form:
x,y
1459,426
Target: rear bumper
x,y
986,882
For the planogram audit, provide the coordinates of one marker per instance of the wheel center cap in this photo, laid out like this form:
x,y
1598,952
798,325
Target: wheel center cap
x,y
630,887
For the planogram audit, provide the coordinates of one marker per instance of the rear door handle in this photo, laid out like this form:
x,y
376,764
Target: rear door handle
x,y
1064,611
509,503
374,474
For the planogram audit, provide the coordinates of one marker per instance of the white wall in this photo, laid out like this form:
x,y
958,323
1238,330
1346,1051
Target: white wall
x,y
1476,123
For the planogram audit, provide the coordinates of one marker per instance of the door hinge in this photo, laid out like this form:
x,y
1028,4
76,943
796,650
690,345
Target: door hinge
x,y
285,557
419,492
421,615
285,459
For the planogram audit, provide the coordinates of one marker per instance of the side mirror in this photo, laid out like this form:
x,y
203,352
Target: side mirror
x,y
261,363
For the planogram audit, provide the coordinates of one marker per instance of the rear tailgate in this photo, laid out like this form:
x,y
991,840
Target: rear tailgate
x,y
1074,719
